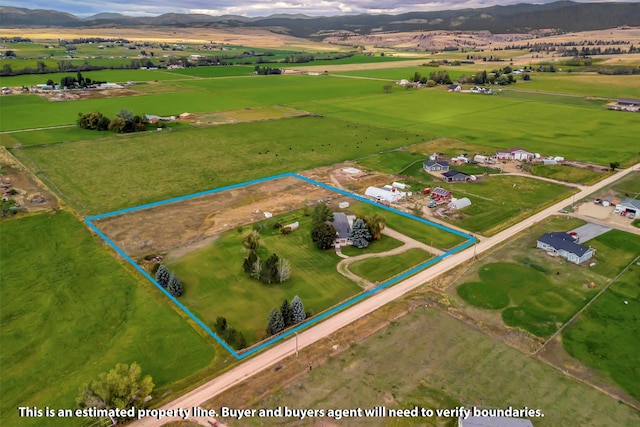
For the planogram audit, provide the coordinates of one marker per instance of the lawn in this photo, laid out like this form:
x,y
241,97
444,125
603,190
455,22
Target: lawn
x,y
69,311
212,290
378,270
568,173
614,250
606,336
426,234
430,359
122,171
536,301
385,243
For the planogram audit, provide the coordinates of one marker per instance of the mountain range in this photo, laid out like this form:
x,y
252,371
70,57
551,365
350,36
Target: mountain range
x,y
561,15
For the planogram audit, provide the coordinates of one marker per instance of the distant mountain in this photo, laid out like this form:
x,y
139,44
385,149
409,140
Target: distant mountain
x,y
562,15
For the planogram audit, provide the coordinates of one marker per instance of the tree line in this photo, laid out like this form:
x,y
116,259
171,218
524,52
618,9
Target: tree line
x,y
124,122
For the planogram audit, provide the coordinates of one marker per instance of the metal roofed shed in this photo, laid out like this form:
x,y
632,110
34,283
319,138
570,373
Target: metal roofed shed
x,y
459,203
381,194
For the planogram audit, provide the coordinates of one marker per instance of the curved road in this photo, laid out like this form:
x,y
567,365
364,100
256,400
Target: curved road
x,y
287,348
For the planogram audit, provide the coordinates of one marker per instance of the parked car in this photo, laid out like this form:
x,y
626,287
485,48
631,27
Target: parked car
x,y
597,201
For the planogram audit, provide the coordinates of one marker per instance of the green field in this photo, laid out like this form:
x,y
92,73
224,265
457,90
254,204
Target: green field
x,y
605,336
430,359
70,311
215,284
378,270
496,122
122,171
536,301
385,243
568,174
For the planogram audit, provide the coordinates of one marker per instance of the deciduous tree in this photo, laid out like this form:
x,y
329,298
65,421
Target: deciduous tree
x,y
375,224
122,387
323,235
284,270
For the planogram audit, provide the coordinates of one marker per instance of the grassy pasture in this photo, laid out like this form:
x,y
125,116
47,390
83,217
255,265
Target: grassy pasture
x,y
70,310
568,173
428,358
377,270
213,71
392,162
122,171
614,250
112,76
212,291
605,336
531,299
586,84
496,122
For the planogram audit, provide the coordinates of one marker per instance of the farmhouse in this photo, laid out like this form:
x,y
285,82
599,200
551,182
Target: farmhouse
x,y
562,244
391,195
454,88
343,224
436,166
459,203
628,206
455,176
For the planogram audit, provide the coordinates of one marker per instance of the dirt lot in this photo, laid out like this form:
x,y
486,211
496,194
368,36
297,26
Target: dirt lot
x,y
33,195
187,225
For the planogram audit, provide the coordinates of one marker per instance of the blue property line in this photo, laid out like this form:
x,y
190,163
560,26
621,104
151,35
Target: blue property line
x,y
470,241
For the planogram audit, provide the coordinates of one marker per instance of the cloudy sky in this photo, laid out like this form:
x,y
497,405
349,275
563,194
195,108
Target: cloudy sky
x,y
252,8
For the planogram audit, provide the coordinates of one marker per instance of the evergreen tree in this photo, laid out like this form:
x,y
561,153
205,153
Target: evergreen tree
x,y
162,276
275,323
360,234
269,273
321,214
297,310
174,286
249,263
221,324
287,314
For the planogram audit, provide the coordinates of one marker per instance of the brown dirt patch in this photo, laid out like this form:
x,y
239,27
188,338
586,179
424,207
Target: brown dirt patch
x,y
33,195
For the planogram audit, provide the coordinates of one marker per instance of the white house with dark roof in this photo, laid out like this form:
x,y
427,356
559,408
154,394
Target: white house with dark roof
x,y
436,166
563,244
343,225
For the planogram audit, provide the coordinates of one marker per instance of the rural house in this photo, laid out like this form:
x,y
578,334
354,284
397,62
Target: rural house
x,y
563,244
455,176
436,166
454,88
626,104
342,223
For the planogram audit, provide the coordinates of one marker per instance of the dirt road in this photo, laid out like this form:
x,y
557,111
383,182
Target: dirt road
x,y
340,320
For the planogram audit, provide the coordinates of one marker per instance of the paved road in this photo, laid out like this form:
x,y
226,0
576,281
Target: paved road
x,y
287,348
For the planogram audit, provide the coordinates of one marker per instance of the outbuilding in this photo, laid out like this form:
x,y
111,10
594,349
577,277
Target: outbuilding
x,y
455,176
459,203
629,206
385,195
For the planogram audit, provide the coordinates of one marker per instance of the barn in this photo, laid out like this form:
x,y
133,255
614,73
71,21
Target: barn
x,y
391,195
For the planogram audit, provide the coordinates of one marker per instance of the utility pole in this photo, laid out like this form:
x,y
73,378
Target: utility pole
x,y
296,343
